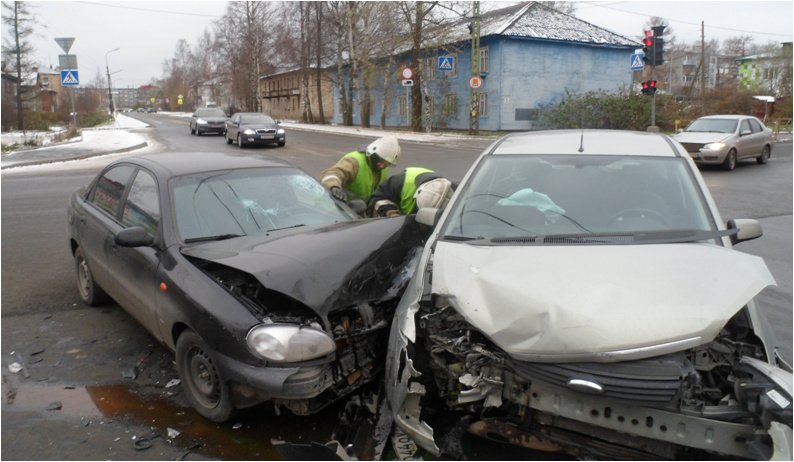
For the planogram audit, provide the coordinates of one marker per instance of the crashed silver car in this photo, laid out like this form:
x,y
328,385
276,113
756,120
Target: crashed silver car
x,y
580,295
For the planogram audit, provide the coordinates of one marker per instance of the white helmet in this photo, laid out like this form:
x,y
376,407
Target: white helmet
x,y
386,148
433,194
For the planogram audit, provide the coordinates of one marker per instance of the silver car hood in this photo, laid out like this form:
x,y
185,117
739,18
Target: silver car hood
x,y
701,137
598,303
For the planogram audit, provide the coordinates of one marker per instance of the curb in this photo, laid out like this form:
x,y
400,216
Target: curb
x,y
80,157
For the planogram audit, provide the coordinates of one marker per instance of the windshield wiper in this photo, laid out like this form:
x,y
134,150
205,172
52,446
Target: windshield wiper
x,y
219,237
286,227
618,238
449,237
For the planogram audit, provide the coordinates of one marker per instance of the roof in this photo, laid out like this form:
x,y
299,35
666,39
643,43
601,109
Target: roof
x,y
533,20
169,164
593,142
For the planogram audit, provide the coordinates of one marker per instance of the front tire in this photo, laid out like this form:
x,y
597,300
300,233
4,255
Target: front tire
x,y
765,155
90,292
239,141
228,140
730,161
206,389
282,143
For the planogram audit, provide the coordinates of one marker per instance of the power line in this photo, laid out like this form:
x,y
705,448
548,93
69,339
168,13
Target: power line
x,y
150,10
605,5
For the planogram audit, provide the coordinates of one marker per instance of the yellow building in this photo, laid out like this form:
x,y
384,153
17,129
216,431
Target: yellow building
x,y
282,97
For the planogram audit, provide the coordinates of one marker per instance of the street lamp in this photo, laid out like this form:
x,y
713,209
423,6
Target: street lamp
x,y
110,93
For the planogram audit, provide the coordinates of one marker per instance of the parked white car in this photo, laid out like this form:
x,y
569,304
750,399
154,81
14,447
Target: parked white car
x,y
726,139
580,294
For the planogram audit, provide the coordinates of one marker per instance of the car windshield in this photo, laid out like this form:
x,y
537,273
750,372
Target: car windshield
x,y
212,112
214,205
713,125
256,119
526,196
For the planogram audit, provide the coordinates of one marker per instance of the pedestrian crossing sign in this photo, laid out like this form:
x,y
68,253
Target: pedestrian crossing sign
x,y
637,63
70,78
446,63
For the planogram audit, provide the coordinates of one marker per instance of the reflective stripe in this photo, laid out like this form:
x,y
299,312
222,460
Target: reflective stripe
x,y
364,183
407,200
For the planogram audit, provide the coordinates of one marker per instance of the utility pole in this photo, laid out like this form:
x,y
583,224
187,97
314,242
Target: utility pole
x,y
110,86
703,67
474,97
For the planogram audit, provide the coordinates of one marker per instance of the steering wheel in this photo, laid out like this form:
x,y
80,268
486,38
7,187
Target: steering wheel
x,y
639,212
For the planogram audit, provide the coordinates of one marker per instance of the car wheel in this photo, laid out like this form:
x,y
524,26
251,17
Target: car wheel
x,y
192,132
730,161
765,155
239,141
282,143
228,140
90,292
206,389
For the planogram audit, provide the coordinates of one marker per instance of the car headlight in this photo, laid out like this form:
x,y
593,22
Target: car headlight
x,y
715,146
248,131
280,131
289,342
201,121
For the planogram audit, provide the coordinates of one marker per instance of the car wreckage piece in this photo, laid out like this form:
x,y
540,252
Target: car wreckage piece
x,y
339,283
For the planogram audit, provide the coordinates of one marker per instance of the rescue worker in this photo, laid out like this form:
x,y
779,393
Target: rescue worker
x,y
358,173
409,191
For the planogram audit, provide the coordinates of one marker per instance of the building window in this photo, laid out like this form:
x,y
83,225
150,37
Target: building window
x,y
450,106
483,106
484,60
402,106
429,71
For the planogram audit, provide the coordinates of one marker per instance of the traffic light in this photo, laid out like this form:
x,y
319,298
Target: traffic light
x,y
647,47
658,51
649,87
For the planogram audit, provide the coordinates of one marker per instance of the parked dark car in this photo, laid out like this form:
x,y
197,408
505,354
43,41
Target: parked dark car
x,y
252,128
263,285
208,120
581,295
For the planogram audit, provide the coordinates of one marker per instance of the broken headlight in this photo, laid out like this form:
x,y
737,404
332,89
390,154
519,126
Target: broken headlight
x,y
289,342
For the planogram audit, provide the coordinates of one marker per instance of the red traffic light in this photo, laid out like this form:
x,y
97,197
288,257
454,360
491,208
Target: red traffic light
x,y
648,42
652,83
649,87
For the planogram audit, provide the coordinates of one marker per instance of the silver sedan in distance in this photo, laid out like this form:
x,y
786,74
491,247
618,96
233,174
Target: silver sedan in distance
x,y
726,139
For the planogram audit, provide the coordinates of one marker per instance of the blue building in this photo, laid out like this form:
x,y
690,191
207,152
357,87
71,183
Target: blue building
x,y
530,56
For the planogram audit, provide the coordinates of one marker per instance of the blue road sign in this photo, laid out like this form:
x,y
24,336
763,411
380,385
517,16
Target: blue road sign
x,y
637,63
446,63
70,78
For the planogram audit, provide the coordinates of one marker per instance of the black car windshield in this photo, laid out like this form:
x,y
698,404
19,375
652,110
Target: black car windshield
x,y
526,196
256,120
713,125
249,201
210,112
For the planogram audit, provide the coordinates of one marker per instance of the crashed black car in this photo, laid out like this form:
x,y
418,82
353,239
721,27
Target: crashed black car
x,y
263,285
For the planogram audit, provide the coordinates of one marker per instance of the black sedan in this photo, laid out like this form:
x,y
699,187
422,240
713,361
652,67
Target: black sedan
x,y
208,120
263,285
252,128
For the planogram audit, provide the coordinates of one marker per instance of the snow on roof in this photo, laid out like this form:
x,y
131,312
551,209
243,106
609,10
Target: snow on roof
x,y
537,21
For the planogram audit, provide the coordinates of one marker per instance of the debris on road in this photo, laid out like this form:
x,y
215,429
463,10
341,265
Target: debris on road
x,y
54,406
15,368
173,383
131,373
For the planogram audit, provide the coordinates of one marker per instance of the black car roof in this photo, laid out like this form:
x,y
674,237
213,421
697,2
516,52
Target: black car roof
x,y
185,163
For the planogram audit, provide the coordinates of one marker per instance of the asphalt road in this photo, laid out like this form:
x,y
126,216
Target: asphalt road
x,y
84,358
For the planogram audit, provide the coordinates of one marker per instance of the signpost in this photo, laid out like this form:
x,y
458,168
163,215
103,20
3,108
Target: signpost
x,y
69,74
407,74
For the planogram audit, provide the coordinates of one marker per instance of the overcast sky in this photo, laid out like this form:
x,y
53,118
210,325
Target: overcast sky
x,y
146,32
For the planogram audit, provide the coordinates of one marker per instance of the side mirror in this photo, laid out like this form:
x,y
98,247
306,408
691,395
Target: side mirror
x,y
745,132
428,216
133,237
749,229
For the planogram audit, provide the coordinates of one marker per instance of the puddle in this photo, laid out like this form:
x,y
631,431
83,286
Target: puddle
x,y
249,441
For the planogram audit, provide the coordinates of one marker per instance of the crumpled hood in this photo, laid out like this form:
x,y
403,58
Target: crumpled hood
x,y
325,267
701,137
539,303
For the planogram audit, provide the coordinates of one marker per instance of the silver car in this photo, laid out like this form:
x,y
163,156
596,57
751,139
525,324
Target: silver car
x,y
208,120
580,294
726,139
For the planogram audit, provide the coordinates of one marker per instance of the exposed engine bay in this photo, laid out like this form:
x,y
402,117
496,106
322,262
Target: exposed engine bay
x,y
707,402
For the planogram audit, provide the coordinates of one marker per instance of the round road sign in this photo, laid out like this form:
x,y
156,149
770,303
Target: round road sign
x,y
407,73
475,82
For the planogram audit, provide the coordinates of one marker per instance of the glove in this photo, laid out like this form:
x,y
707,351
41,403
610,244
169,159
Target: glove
x,y
339,193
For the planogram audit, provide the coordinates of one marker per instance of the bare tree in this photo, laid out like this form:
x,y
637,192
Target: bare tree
x,y
18,50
